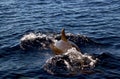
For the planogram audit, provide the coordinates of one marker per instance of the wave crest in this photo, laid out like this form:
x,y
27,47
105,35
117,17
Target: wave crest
x,y
72,62
35,41
42,41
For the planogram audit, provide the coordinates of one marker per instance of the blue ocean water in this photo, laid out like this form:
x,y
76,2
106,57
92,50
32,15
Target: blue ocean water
x,y
98,20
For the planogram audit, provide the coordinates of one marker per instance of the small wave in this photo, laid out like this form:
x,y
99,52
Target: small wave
x,y
70,63
35,41
42,41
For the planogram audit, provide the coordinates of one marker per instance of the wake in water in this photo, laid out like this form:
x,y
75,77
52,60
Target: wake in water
x,y
42,41
38,41
70,62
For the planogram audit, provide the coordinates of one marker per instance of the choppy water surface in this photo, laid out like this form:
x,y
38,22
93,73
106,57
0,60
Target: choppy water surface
x,y
98,20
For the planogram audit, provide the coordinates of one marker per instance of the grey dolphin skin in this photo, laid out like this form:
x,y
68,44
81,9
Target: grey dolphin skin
x,y
61,46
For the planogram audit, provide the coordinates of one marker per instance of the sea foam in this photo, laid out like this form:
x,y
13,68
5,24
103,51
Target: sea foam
x,y
71,62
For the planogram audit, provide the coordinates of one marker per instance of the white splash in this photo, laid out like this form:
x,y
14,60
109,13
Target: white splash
x,y
74,54
33,40
71,62
28,37
32,36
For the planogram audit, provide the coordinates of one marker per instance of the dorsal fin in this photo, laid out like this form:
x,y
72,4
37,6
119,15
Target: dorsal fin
x,y
63,36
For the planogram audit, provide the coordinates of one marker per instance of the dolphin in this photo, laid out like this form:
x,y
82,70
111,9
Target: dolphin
x,y
61,46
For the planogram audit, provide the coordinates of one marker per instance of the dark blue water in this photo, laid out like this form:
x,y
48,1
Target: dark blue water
x,y
98,20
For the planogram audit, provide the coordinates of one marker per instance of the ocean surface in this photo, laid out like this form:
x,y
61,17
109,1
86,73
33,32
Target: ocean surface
x,y
97,20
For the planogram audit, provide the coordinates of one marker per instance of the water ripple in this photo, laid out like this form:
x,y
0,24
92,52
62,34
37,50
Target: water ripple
x,y
99,20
